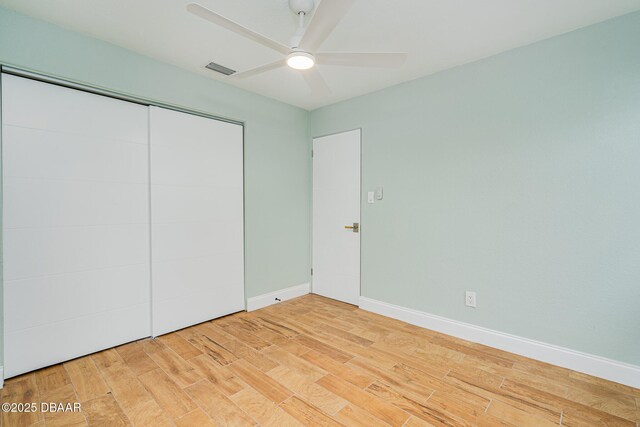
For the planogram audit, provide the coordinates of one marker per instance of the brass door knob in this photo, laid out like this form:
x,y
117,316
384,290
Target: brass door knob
x,y
355,227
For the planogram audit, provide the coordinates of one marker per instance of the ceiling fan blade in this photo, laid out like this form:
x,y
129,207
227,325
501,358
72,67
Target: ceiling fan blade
x,y
324,20
220,20
316,82
258,70
352,59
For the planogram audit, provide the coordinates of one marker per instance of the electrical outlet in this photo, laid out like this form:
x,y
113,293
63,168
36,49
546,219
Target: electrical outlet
x,y
470,299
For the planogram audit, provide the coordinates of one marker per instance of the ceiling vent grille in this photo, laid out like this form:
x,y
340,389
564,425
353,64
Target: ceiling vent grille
x,y
220,69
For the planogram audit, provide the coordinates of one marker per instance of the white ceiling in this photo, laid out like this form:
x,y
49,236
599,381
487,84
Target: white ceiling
x,y
437,34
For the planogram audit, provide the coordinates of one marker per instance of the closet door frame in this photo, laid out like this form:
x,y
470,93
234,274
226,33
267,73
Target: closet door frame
x,y
85,87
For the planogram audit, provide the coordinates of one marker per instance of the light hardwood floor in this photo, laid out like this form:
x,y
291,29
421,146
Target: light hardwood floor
x,y
315,361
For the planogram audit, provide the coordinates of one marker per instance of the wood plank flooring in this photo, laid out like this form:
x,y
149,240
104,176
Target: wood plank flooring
x,y
315,361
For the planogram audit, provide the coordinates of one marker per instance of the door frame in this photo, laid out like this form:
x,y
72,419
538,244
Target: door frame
x,y
359,204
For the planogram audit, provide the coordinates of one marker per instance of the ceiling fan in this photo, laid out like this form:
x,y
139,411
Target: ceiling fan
x,y
302,54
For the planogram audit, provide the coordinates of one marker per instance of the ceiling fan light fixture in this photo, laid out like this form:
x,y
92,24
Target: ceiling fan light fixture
x,y
300,60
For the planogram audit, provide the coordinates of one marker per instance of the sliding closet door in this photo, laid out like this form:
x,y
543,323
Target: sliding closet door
x,y
76,223
196,219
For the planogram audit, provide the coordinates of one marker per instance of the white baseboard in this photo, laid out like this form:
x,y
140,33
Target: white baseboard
x,y
1,376
266,300
597,366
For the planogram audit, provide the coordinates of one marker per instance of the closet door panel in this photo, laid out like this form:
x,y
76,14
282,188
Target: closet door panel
x,y
197,272
44,251
111,285
173,204
102,160
52,108
196,219
52,204
197,164
75,223
196,239
92,333
184,288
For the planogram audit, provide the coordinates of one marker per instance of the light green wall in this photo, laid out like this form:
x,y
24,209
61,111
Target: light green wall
x,y
277,145
518,177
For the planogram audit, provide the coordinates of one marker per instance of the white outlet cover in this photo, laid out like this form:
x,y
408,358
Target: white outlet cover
x,y
470,299
371,197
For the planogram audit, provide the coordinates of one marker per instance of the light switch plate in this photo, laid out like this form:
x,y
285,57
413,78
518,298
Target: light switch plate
x,y
371,197
379,193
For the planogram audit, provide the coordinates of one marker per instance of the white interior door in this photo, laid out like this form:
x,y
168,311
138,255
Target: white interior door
x,y
197,219
76,223
336,205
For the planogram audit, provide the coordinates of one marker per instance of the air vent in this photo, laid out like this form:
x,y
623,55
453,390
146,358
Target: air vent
x,y
220,69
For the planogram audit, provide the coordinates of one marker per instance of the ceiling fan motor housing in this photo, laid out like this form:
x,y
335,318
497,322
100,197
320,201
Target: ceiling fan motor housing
x,y
301,6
